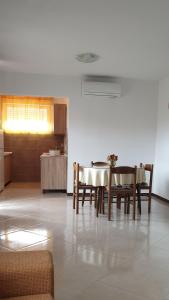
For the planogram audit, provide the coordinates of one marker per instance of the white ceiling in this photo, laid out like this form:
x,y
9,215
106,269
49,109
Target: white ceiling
x,y
44,36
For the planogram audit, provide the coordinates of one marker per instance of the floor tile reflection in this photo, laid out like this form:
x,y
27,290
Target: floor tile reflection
x,y
19,239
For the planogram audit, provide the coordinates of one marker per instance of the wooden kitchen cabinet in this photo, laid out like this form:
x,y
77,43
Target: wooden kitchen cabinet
x,y
60,116
53,172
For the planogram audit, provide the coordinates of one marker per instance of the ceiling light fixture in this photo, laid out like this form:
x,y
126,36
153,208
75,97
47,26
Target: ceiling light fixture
x,y
87,57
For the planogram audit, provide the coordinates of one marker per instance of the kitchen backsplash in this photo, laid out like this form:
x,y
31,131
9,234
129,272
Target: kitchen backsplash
x,y
27,149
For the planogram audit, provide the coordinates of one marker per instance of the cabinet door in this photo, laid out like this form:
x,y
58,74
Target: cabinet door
x,y
60,118
53,173
7,168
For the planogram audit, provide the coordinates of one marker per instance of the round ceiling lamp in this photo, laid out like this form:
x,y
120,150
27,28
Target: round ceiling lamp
x,y
87,57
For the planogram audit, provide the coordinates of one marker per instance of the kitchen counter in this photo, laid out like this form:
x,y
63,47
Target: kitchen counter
x,y
49,155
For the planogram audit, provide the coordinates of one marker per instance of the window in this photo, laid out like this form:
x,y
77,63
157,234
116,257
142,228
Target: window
x,y
27,115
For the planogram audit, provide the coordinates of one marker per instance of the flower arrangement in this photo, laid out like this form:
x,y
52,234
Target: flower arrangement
x,y
112,158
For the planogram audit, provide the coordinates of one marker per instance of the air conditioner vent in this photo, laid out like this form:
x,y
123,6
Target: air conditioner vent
x,y
100,88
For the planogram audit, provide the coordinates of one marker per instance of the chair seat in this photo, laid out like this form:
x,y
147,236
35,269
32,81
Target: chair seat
x,y
85,186
122,192
144,185
32,297
119,188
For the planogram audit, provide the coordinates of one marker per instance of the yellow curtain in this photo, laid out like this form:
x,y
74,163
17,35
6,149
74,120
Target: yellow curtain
x,y
27,115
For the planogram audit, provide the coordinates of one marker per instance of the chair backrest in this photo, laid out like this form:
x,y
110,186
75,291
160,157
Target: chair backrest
x,y
99,164
74,173
122,170
149,168
76,169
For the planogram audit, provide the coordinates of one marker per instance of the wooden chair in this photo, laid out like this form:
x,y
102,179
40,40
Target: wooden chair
x,y
145,188
78,186
122,191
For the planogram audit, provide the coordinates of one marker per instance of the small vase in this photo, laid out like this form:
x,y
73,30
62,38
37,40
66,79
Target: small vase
x,y
112,163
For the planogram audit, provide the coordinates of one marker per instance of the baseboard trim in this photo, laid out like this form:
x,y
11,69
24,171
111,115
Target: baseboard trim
x,y
160,198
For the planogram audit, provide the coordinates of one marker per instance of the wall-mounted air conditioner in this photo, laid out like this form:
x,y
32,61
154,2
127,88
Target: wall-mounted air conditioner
x,y
101,88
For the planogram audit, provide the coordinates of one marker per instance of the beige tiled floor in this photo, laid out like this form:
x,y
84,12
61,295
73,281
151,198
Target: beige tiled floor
x,y
93,258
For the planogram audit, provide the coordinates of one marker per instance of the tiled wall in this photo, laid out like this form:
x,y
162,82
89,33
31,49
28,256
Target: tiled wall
x,y
27,149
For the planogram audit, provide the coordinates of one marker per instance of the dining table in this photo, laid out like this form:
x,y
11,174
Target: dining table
x,y
97,176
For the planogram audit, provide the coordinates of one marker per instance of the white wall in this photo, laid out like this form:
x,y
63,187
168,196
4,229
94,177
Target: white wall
x,y
98,127
161,174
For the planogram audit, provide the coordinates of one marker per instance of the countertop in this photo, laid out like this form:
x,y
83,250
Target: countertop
x,y
7,153
49,155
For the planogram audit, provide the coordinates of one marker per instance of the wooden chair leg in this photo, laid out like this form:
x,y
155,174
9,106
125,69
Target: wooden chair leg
x,y
118,202
139,198
103,200
128,205
100,200
149,203
83,196
95,198
97,204
74,198
139,205
134,208
125,204
91,195
77,202
109,205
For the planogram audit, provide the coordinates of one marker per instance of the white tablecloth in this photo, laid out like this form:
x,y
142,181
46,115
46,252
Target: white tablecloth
x,y
99,176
